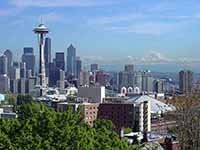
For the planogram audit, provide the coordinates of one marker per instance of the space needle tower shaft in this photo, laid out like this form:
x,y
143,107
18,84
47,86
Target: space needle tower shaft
x,y
41,31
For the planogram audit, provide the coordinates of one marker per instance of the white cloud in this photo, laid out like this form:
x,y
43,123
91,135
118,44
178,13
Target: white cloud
x,y
114,19
151,28
60,3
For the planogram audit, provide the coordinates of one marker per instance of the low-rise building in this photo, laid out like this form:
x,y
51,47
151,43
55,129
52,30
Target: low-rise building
x,y
136,116
95,94
6,111
88,110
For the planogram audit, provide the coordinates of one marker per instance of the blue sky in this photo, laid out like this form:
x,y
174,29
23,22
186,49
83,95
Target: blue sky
x,y
109,31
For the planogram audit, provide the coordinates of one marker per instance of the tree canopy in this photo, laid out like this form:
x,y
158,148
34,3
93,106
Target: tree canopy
x,y
41,128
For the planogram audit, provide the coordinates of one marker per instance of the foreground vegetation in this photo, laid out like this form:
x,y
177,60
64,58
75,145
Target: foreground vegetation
x,y
39,127
188,121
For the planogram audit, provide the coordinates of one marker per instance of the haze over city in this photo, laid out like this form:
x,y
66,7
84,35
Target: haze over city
x,y
108,31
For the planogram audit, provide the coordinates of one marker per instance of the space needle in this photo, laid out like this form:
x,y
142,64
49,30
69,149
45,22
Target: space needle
x,y
41,32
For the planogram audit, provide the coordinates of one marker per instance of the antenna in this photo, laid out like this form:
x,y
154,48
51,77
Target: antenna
x,y
41,20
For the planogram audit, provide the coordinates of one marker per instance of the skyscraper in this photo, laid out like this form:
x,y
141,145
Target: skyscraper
x,y
94,67
159,86
16,64
78,67
3,65
147,83
71,60
9,56
84,78
23,70
47,54
102,78
60,60
126,77
54,74
129,68
4,83
47,50
186,81
29,58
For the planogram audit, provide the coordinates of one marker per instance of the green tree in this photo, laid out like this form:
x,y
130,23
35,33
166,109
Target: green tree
x,y
39,127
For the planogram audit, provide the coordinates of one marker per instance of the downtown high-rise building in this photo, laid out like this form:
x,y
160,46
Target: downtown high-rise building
x,y
54,74
23,70
186,81
78,68
147,83
9,56
3,65
4,83
71,60
129,68
126,77
60,60
84,78
94,67
28,58
47,54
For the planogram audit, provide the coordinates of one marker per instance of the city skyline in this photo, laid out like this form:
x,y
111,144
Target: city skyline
x,y
107,31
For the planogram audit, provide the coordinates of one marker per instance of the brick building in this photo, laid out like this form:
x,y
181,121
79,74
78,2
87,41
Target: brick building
x,y
87,110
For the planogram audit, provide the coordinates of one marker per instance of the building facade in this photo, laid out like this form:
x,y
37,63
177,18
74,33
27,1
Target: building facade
x,y
71,60
60,60
94,94
28,58
88,111
127,115
3,65
186,81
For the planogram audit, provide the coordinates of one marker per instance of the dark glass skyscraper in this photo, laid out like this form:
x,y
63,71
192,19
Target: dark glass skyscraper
x,y
29,58
54,74
3,65
71,60
78,68
60,60
47,54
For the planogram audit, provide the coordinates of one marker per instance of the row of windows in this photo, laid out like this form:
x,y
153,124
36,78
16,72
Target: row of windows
x,y
94,112
90,117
